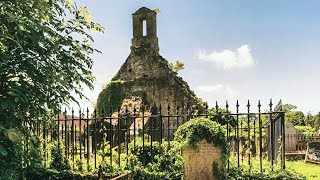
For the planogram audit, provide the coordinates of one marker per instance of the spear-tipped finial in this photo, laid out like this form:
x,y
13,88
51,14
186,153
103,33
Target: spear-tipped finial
x,y
134,110
126,110
237,106
227,106
270,104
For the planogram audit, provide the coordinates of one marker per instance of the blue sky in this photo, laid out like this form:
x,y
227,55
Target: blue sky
x,y
243,49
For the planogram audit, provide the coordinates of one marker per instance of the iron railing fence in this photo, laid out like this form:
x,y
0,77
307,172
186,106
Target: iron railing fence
x,y
251,135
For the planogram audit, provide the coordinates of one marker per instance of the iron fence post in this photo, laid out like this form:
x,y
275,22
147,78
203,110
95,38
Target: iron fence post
x,y
283,141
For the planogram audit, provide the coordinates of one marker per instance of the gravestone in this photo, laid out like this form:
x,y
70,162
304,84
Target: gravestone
x,y
313,152
204,149
199,163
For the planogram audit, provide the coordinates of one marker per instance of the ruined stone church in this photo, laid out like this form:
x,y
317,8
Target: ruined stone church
x,y
146,78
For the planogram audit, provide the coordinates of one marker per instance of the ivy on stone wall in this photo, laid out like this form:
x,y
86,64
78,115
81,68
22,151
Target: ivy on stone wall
x,y
192,132
197,129
111,97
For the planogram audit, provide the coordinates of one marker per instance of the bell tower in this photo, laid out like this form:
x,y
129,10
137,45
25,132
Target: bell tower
x,y
145,29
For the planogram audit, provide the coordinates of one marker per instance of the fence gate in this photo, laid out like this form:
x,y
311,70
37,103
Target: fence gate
x,y
276,135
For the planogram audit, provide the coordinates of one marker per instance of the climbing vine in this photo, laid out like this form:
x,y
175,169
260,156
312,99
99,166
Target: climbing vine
x,y
192,132
111,97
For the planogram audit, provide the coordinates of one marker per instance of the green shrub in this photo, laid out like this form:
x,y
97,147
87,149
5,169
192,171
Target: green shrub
x,y
252,171
254,174
108,169
58,160
306,130
45,174
195,130
156,162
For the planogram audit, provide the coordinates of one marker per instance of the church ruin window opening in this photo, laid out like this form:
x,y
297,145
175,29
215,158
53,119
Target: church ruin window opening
x,y
144,27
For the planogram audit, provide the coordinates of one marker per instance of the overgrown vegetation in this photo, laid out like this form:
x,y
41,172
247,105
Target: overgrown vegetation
x,y
252,171
197,129
58,160
44,58
177,66
57,166
156,162
111,97
220,115
254,174
110,168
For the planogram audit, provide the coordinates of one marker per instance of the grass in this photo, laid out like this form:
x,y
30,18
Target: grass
x,y
311,171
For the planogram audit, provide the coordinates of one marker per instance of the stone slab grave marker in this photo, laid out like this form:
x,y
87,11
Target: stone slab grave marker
x,y
199,162
313,152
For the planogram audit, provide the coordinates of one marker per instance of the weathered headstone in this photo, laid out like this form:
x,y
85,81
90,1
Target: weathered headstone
x,y
204,149
313,152
199,162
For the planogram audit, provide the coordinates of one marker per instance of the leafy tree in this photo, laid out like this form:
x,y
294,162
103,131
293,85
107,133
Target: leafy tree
x,y
295,117
306,130
309,119
221,117
44,57
288,107
317,121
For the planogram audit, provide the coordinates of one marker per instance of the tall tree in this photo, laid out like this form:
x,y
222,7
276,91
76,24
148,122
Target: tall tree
x,y
297,118
44,57
289,107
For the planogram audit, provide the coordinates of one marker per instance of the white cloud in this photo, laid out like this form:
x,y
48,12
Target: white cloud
x,y
218,89
228,59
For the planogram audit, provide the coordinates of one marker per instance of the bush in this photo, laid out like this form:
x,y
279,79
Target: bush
x,y
106,169
306,130
252,171
195,130
59,161
156,162
254,174
45,174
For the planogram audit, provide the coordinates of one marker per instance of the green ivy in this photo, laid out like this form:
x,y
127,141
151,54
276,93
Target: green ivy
x,y
111,97
192,132
195,130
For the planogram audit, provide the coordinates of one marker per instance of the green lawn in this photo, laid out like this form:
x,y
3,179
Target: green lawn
x,y
311,171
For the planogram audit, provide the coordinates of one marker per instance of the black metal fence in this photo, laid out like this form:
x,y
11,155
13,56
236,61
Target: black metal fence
x,y
252,136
